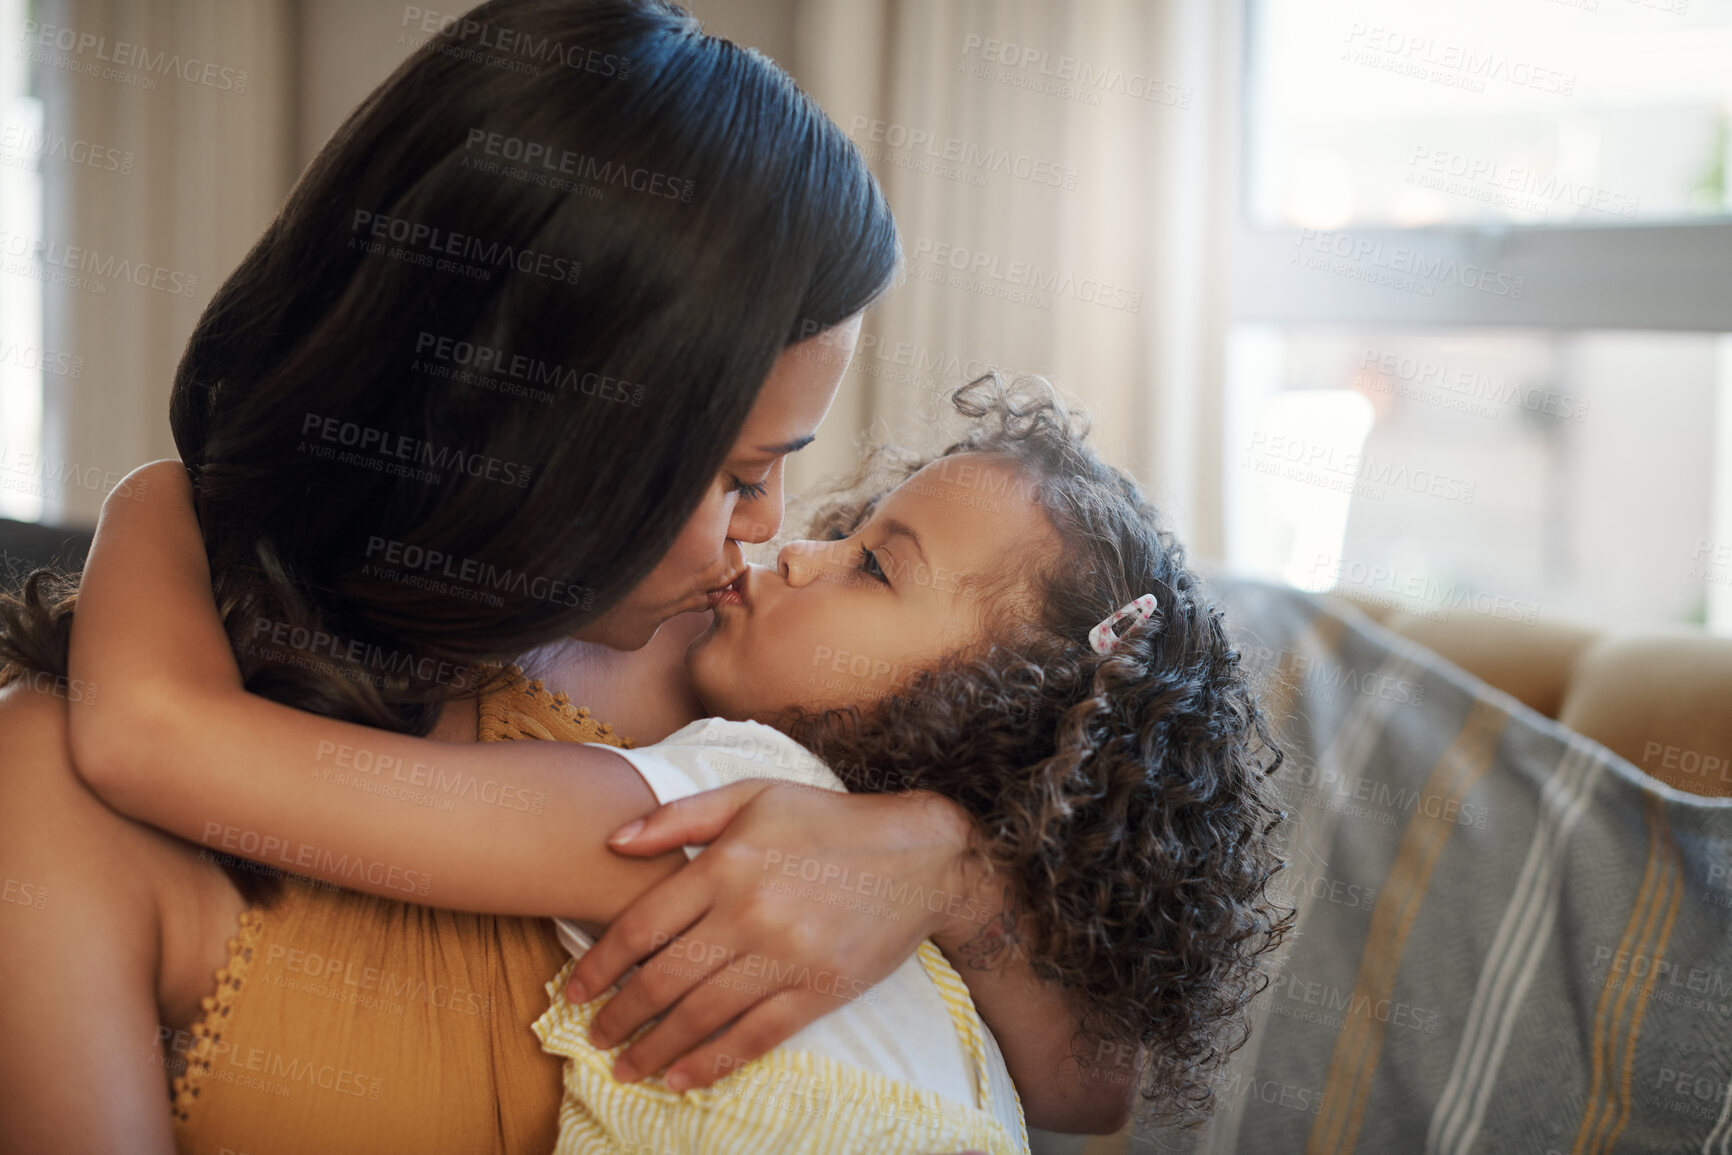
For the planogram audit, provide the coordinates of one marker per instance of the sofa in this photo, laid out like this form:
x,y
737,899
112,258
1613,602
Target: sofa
x,y
1509,853
1662,699
25,545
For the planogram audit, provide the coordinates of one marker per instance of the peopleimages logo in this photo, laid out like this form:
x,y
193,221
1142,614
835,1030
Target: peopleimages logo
x,y
44,37
1468,386
1422,594
891,890
314,642
1319,463
101,269
1510,186
1067,76
486,255
1711,980
1449,63
1397,266
580,166
417,561
528,371
1335,1003
301,856
41,360
495,44
366,439
29,150
983,269
752,965
954,150
37,473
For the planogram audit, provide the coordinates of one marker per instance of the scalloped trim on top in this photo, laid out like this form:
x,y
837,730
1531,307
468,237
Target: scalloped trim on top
x,y
560,702
207,1032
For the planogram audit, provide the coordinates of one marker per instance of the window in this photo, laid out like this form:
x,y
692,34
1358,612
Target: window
x,y
1482,279
21,330
1515,112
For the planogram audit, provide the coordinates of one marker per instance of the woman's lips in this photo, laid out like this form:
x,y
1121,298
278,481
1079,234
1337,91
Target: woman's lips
x,y
732,594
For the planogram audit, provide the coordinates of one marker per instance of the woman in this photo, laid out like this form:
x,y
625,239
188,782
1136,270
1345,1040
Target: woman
x,y
453,409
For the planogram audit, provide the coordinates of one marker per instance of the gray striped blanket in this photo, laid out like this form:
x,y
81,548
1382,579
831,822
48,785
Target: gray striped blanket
x,y
1509,939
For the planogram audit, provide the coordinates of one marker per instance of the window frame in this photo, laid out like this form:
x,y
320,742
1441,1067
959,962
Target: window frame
x,y
1671,275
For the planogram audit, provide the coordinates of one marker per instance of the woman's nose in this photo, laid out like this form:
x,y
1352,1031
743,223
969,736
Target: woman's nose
x,y
733,558
756,521
759,520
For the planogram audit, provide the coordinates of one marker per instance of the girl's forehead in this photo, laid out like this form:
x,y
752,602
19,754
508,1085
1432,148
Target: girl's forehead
x,y
973,504
979,480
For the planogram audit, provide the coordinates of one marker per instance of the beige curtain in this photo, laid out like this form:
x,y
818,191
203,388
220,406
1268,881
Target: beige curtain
x,y
200,93
1149,213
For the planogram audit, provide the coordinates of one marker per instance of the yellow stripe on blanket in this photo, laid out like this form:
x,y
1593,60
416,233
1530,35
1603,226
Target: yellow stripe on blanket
x,y
789,1101
1354,1060
1647,934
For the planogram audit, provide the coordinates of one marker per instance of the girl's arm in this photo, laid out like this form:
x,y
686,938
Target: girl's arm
x,y
171,738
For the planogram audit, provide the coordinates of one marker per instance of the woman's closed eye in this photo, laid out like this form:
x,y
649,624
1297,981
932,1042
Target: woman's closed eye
x,y
870,567
750,490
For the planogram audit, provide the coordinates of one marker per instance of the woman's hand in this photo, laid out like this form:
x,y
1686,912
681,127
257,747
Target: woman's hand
x,y
804,899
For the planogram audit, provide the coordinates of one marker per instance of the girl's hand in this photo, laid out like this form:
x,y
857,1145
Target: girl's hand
x,y
804,900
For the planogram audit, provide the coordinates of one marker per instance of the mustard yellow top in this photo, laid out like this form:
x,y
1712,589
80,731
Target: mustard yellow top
x,y
344,1022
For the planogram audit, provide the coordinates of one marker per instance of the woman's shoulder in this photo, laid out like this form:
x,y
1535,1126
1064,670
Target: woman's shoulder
x,y
33,708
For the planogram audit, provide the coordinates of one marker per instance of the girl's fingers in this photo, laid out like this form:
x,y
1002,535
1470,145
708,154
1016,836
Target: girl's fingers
x,y
651,922
693,821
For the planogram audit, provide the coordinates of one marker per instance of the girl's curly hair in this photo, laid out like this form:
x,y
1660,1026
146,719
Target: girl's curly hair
x,y
1124,798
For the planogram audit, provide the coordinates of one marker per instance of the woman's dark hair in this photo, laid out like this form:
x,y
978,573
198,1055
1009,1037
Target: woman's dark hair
x,y
464,392
1124,799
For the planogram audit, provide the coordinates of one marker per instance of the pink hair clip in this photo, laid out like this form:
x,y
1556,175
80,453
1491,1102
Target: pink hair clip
x,y
1103,640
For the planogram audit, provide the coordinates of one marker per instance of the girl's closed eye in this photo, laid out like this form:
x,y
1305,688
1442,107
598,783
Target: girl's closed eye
x,y
870,567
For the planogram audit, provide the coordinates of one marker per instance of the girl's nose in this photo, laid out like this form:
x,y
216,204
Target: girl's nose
x,y
800,562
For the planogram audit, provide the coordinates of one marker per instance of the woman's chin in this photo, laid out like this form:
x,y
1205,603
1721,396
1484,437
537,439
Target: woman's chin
x,y
623,629
627,628
699,643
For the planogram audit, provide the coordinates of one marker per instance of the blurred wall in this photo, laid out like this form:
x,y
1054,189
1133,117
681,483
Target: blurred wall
x,y
136,251
344,49
1077,235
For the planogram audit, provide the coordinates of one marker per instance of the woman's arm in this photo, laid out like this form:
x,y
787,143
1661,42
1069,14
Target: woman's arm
x,y
172,739
961,907
81,1068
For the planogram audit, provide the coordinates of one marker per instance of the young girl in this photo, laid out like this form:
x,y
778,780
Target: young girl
x,y
1009,627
